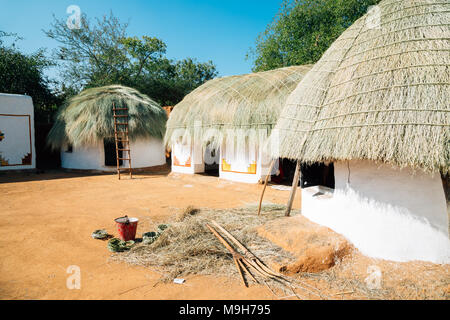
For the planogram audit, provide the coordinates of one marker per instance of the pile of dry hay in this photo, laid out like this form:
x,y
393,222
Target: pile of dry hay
x,y
187,247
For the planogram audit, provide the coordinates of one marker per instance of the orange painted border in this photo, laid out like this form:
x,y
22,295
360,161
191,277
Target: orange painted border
x,y
29,133
188,164
238,171
176,163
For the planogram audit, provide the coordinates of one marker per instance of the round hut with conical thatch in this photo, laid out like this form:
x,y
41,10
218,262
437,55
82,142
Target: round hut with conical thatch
x,y
227,121
376,106
84,129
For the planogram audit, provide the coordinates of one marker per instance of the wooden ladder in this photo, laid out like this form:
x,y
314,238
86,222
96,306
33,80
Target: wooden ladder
x,y
122,139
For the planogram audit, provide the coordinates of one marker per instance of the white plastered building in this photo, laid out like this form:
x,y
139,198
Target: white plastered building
x,y
17,139
145,153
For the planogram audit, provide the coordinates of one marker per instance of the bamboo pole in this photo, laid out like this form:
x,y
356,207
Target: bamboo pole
x,y
293,190
265,186
251,259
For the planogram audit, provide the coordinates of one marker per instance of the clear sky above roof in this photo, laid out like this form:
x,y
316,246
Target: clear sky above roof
x,y
217,30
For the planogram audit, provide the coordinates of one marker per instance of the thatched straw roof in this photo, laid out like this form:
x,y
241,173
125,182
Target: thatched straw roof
x,y
88,117
251,101
380,92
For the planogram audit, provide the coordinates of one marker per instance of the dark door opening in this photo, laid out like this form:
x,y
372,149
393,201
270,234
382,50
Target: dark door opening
x,y
446,184
317,174
212,160
46,158
286,171
110,153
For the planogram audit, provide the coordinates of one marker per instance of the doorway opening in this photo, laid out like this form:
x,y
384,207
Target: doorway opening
x,y
110,152
286,171
211,157
317,174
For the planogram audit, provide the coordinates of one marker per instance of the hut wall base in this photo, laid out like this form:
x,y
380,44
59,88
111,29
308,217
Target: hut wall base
x,y
385,212
144,154
262,167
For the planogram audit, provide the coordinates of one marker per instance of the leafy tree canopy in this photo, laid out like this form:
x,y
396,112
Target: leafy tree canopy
x,y
101,53
303,30
24,74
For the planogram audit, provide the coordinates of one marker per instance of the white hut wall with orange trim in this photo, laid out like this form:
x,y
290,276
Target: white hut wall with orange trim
x,y
17,146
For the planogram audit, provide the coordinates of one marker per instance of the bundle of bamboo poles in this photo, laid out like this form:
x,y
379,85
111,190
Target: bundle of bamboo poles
x,y
246,261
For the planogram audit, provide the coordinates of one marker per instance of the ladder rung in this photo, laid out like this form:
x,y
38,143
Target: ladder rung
x,y
121,136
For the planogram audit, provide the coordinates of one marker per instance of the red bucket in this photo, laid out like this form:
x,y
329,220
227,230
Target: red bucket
x,y
126,227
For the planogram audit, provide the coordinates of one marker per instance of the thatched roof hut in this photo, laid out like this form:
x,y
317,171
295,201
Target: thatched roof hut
x,y
380,92
376,105
84,129
251,101
226,121
88,117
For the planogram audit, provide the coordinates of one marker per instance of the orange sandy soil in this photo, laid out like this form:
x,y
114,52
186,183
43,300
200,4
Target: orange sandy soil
x,y
46,221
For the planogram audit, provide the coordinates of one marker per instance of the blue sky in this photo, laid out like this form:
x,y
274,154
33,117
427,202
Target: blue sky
x,y
217,30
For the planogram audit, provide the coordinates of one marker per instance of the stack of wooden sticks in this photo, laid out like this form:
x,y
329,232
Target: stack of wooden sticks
x,y
244,261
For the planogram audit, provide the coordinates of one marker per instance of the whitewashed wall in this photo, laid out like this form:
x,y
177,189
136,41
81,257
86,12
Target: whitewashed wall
x,y
17,125
144,153
190,159
187,158
240,162
416,192
385,212
147,153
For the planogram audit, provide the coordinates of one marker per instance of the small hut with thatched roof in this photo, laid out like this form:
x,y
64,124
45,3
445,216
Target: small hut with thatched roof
x,y
227,121
377,106
84,129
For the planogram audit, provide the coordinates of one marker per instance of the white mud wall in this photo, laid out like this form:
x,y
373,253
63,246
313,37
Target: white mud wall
x,y
385,212
17,129
144,153
241,160
187,158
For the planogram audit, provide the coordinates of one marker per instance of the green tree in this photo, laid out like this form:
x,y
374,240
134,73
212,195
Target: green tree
x,y
303,30
144,52
94,54
24,74
101,53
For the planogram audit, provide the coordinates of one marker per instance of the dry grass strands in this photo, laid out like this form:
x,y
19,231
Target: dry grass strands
x,y
380,92
248,260
188,247
88,117
245,102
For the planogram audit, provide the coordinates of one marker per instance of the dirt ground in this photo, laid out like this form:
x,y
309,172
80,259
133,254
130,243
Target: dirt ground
x,y
46,221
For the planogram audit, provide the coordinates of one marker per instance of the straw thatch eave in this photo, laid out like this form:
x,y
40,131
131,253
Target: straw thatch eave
x,y
238,103
87,118
380,92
